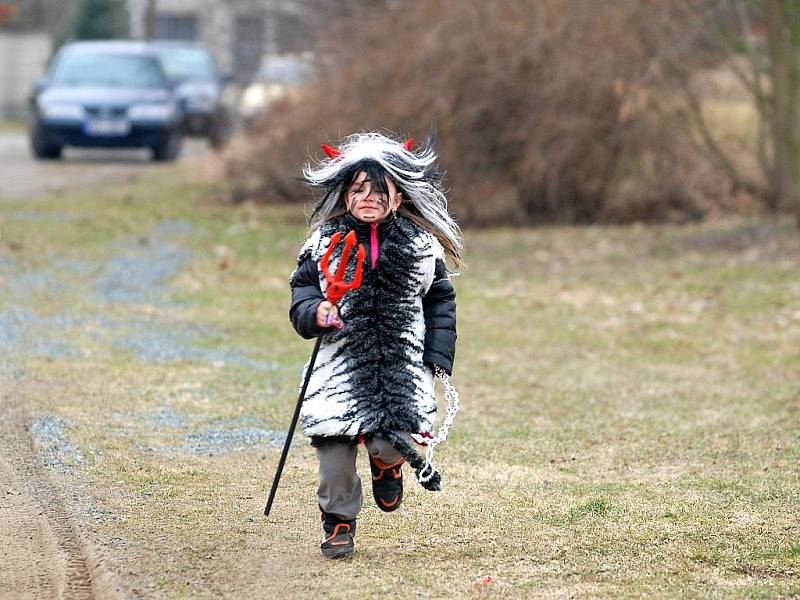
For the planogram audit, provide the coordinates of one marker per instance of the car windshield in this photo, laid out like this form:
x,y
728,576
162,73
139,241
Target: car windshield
x,y
187,63
108,68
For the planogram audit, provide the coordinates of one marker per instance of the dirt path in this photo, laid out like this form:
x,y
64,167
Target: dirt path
x,y
40,550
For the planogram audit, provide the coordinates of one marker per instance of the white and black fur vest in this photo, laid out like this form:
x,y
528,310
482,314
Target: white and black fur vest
x,y
370,377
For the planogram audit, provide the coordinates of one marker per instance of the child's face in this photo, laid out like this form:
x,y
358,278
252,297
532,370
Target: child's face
x,y
367,204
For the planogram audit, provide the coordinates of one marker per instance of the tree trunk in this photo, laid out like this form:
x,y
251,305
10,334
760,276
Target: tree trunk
x,y
792,20
781,121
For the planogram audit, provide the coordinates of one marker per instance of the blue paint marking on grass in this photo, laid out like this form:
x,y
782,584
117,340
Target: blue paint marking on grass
x,y
43,281
138,277
224,440
73,265
163,342
173,227
56,449
140,273
8,264
24,333
166,431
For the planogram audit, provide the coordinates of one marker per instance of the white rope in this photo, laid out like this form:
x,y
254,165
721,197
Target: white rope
x,y
451,409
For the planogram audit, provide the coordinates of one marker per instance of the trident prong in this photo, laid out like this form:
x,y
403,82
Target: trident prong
x,y
337,286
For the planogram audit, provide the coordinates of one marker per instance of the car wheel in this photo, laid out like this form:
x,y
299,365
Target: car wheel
x,y
44,149
169,149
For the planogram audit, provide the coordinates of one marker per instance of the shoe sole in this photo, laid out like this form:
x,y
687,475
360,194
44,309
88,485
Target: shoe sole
x,y
385,508
337,552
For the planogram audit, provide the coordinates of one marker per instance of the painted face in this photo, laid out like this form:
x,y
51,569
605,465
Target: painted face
x,y
368,204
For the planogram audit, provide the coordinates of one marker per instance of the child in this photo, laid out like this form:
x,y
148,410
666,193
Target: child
x,y
373,379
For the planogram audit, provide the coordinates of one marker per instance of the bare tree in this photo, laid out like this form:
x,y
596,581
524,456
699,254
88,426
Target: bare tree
x,y
759,42
783,43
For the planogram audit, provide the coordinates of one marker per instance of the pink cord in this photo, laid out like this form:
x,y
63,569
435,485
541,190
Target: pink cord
x,y
373,243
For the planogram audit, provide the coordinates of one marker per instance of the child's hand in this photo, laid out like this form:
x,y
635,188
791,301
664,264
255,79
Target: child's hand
x,y
328,315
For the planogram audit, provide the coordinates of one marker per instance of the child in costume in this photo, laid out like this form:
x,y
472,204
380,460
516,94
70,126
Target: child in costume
x,y
383,344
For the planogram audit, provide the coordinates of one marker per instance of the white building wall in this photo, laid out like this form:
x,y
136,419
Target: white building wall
x,y
23,59
216,22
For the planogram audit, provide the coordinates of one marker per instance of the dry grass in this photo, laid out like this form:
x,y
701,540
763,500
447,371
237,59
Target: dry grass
x,y
629,424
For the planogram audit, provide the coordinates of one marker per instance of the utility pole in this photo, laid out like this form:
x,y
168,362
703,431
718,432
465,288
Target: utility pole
x,y
150,20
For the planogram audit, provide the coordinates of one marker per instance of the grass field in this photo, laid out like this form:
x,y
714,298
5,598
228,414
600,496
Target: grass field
x,y
630,422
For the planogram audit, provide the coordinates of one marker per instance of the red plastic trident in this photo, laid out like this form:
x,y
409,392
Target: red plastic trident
x,y
337,287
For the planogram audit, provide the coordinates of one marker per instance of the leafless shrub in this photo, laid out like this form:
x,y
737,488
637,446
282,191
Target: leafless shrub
x,y
543,109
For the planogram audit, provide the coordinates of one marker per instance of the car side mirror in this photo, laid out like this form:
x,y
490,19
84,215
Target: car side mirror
x,y
39,84
226,79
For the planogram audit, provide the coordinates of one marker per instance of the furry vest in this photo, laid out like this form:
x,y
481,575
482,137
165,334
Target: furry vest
x,y
370,377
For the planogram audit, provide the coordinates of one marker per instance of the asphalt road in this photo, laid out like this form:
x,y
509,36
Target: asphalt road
x,y
22,176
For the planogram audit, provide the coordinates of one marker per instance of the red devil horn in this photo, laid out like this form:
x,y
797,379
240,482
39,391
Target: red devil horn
x,y
331,152
409,144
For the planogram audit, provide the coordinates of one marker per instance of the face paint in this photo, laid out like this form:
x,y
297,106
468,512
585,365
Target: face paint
x,y
366,202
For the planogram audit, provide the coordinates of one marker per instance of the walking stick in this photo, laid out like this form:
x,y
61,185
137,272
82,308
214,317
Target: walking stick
x,y
335,290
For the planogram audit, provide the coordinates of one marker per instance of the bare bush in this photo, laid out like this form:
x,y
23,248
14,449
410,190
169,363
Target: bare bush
x,y
543,109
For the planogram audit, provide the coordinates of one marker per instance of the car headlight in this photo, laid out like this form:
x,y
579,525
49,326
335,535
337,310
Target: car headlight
x,y
157,112
61,111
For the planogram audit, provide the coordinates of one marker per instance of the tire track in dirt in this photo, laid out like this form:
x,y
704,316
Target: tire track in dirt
x,y
40,549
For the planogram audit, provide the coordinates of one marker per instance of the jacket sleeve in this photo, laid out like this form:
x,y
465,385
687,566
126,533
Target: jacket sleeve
x,y
306,296
439,307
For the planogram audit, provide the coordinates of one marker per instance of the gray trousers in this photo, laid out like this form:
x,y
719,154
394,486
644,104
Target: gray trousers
x,y
339,490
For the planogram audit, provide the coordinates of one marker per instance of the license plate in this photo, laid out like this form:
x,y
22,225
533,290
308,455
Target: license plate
x,y
107,127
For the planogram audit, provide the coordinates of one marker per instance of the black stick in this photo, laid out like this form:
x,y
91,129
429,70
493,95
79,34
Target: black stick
x,y
293,425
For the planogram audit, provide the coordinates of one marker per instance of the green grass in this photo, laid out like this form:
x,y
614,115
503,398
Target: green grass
x,y
630,423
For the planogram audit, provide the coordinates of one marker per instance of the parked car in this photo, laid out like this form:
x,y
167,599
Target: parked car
x,y
105,94
276,77
199,87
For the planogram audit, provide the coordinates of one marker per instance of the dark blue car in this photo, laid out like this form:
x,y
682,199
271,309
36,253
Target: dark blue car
x,y
199,87
105,94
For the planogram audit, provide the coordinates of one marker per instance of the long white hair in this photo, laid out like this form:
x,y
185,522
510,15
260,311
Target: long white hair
x,y
415,174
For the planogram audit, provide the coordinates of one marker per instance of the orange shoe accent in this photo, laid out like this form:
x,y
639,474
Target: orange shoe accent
x,y
397,474
383,466
336,532
389,504
342,543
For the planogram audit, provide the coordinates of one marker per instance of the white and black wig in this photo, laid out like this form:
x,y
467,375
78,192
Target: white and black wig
x,y
415,174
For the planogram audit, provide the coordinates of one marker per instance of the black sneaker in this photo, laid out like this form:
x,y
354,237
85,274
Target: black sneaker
x,y
387,483
338,536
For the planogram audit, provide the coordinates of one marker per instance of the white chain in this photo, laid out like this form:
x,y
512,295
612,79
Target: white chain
x,y
451,409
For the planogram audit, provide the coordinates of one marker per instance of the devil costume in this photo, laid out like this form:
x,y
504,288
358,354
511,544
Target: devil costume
x,y
375,376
